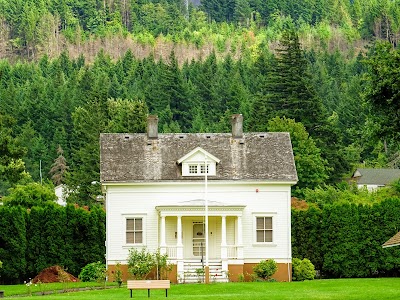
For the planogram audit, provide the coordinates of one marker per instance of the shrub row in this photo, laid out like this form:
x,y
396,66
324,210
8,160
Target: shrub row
x,y
342,240
31,240
345,240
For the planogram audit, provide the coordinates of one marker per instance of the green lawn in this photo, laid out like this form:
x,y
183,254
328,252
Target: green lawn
x,y
377,288
23,289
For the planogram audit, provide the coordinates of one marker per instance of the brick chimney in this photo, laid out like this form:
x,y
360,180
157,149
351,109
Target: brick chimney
x,y
152,127
237,126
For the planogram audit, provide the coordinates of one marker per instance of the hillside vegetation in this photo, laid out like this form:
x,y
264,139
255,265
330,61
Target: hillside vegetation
x,y
72,69
31,28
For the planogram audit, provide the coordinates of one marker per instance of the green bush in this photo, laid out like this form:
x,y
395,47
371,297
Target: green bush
x,y
265,269
30,195
162,265
93,272
118,274
302,269
140,263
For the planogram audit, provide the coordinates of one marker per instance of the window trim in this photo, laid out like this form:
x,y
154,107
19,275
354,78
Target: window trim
x,y
130,217
187,166
264,215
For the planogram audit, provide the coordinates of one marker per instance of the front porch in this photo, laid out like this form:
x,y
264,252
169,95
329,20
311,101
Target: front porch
x,y
182,237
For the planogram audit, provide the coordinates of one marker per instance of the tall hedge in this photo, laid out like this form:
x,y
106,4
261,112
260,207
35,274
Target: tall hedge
x,y
12,243
345,240
306,235
342,240
49,235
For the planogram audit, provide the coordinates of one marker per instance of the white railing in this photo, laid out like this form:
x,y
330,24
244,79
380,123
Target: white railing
x,y
171,252
232,251
199,248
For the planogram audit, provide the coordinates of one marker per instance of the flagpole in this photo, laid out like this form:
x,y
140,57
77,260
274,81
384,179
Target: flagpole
x,y
206,217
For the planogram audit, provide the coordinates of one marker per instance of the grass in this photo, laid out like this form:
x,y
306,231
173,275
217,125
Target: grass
x,y
373,288
43,288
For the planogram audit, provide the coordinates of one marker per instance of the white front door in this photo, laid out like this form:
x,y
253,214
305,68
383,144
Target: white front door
x,y
194,239
198,240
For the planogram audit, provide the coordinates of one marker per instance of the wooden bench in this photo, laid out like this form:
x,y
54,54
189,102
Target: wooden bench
x,y
149,285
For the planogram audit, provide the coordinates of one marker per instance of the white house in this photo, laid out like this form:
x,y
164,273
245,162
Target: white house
x,y
373,179
219,200
60,192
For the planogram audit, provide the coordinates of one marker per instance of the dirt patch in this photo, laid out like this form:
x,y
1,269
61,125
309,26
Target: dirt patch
x,y
54,274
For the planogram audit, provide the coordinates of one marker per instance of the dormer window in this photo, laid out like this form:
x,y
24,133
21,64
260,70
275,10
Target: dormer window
x,y
198,169
193,169
198,162
202,169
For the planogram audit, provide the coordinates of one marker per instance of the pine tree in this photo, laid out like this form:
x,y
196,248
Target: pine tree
x,y
59,168
289,88
289,93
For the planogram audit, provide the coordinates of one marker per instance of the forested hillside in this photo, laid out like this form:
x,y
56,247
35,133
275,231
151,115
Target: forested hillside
x,y
71,69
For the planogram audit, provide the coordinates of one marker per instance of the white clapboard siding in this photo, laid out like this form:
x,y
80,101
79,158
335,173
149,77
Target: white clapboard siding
x,y
124,201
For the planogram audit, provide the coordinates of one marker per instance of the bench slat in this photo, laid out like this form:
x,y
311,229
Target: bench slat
x,y
148,284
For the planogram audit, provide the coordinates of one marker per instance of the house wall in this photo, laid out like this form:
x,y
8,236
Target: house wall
x,y
141,199
370,187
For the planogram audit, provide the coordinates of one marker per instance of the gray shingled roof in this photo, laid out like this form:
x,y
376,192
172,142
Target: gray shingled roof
x,y
393,241
256,156
376,176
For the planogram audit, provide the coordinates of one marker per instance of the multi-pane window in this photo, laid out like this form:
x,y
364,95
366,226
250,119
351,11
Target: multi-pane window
x,y
264,229
195,168
134,231
202,167
192,169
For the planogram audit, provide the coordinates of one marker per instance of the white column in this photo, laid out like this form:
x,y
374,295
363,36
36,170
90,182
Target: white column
x,y
224,249
179,231
224,252
240,238
179,248
163,244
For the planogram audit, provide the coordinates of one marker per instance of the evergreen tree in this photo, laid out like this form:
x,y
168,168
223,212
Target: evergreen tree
x,y
289,93
89,122
176,87
289,89
12,168
59,168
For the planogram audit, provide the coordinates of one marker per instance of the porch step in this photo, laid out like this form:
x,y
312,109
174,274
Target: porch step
x,y
194,272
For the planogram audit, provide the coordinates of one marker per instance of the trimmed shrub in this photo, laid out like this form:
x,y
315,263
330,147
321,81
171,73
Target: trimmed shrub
x,y
302,269
12,243
93,272
47,235
265,269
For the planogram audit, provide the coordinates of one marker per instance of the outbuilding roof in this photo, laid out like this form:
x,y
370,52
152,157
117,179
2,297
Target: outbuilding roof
x,y
252,156
393,241
376,176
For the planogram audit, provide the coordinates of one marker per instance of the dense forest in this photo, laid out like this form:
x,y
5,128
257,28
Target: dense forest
x,y
325,71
